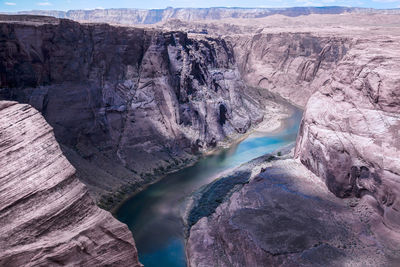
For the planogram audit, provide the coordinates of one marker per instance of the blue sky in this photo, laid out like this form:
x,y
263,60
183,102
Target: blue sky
x,y
18,5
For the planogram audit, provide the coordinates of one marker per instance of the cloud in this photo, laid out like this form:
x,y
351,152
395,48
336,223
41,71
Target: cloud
x,y
10,3
44,4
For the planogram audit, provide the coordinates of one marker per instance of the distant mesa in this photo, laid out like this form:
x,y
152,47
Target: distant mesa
x,y
151,16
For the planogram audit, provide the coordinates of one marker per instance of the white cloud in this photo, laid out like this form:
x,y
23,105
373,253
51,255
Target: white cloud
x,y
44,4
10,3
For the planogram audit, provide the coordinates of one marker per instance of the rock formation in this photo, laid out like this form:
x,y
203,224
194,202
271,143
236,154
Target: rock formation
x,y
349,138
285,216
162,96
125,101
142,16
351,127
293,65
47,217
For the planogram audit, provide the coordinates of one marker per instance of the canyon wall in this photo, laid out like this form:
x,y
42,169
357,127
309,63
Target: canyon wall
x,y
123,101
293,65
349,140
131,16
47,217
350,131
347,79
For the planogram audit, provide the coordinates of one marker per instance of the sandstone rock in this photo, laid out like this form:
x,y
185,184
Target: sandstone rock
x,y
286,216
293,65
46,215
350,131
162,96
349,137
126,101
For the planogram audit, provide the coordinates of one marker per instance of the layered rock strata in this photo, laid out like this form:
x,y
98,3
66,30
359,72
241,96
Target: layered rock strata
x,y
161,97
293,65
351,127
124,101
47,217
150,16
349,138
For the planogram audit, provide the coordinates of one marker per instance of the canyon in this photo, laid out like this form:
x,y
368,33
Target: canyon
x,y
348,138
168,93
120,117
132,16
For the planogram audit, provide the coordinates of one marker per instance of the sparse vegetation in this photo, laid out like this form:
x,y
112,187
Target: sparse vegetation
x,y
214,194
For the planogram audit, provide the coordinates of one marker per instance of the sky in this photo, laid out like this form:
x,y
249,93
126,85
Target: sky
x,y
20,5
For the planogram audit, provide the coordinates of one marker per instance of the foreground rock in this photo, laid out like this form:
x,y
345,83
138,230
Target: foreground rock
x,y
285,216
47,217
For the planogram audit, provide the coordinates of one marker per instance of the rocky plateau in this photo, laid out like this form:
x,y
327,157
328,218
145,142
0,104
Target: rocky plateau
x,y
132,16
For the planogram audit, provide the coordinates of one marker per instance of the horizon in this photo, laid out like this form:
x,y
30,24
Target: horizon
x,y
227,7
66,5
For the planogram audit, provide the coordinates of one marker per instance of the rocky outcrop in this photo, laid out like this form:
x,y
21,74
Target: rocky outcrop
x,y
47,217
293,65
126,101
285,216
351,127
349,138
151,16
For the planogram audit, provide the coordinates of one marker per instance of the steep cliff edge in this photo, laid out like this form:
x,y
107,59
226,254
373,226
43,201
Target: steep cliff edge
x,y
351,127
46,215
285,216
293,65
126,103
349,139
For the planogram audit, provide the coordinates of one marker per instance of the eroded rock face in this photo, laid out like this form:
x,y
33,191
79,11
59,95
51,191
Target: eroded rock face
x,y
125,101
351,127
285,216
293,65
349,137
47,217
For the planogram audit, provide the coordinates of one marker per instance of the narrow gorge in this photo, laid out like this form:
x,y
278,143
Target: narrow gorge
x,y
94,113
147,107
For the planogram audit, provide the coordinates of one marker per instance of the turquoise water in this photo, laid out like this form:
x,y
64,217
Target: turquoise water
x,y
153,215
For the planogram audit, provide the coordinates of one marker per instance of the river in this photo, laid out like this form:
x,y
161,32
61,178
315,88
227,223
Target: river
x,y
153,215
